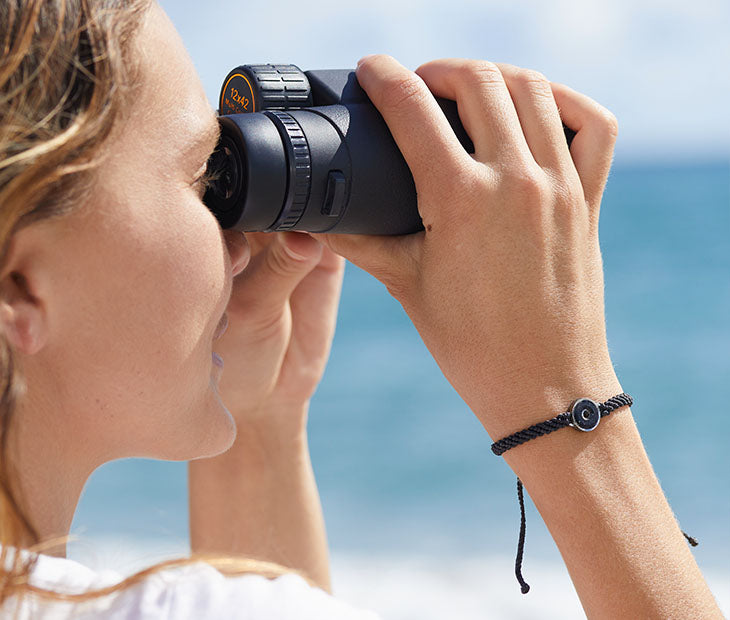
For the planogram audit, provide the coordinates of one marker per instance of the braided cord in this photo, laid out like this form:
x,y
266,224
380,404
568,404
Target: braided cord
x,y
536,430
559,421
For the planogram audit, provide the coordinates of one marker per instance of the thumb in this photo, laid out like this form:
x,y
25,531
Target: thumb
x,y
277,270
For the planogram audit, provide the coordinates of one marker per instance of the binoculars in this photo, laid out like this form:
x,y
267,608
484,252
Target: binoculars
x,y
308,151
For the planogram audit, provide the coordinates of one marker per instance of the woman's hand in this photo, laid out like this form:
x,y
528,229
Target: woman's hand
x,y
281,321
259,498
505,285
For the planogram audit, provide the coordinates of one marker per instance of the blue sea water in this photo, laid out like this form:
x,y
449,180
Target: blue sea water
x,y
422,518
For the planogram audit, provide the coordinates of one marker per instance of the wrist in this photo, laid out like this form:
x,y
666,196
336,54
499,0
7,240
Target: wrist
x,y
511,406
260,450
563,452
272,423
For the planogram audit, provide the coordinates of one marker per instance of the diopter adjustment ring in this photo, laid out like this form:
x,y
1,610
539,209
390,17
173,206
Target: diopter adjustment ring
x,y
299,164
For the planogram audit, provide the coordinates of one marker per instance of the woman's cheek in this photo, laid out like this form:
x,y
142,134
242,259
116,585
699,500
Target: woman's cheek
x,y
204,254
198,288
183,299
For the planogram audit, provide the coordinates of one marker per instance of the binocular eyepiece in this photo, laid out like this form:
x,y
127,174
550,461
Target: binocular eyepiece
x,y
308,151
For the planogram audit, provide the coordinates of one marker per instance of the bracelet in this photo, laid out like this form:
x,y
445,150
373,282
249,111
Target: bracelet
x,y
584,415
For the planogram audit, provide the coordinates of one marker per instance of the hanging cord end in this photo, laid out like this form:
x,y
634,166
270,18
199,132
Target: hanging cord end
x,y
594,412
521,544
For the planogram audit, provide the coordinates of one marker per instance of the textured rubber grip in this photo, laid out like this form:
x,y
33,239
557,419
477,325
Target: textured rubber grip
x,y
255,88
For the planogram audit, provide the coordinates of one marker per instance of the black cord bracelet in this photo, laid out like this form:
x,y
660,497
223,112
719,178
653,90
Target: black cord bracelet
x,y
584,415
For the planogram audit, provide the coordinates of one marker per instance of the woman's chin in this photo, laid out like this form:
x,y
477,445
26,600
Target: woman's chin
x,y
219,430
210,431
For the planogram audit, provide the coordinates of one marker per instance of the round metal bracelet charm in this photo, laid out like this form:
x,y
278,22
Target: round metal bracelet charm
x,y
585,414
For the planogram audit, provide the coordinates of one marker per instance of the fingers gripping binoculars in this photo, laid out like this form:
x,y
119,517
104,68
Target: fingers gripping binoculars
x,y
307,150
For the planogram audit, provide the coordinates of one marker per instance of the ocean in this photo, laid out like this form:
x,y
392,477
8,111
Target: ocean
x,y
422,518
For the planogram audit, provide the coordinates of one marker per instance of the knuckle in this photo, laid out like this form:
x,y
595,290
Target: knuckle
x,y
533,81
566,194
608,121
480,72
531,185
568,197
278,263
529,76
567,191
366,63
403,91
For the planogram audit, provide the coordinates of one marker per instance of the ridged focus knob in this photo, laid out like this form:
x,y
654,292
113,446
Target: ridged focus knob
x,y
254,88
300,170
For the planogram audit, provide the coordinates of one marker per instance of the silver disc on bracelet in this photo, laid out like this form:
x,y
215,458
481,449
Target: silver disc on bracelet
x,y
585,414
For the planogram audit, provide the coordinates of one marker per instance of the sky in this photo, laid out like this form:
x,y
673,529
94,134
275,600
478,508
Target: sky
x,y
661,66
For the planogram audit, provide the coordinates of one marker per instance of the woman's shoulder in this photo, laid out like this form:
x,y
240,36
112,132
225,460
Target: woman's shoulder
x,y
195,590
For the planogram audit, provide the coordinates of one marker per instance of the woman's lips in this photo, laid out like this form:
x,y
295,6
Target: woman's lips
x,y
222,326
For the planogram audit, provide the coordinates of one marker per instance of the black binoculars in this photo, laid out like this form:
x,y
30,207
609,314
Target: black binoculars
x,y
307,150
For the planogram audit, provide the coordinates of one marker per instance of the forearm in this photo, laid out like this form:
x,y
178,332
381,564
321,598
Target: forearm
x,y
600,499
260,499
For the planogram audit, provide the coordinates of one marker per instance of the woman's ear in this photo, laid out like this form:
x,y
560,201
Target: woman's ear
x,y
23,318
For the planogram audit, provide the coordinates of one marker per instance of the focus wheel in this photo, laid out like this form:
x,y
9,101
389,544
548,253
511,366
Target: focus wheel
x,y
300,170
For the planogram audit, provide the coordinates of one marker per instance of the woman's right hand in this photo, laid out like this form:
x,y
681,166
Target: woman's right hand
x,y
505,284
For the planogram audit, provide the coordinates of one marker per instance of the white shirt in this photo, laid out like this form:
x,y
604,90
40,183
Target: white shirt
x,y
195,591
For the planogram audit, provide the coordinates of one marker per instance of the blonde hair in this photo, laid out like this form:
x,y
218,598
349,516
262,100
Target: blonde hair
x,y
65,78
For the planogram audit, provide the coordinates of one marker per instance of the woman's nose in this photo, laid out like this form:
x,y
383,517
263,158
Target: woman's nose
x,y
238,249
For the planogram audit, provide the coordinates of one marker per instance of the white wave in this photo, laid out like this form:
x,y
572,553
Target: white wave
x,y
409,587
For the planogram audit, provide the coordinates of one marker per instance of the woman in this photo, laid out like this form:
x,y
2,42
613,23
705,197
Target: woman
x,y
116,286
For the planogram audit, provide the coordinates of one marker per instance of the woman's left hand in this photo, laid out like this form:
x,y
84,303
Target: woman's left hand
x,y
281,321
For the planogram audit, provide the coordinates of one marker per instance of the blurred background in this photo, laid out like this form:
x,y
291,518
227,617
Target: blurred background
x,y
422,518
